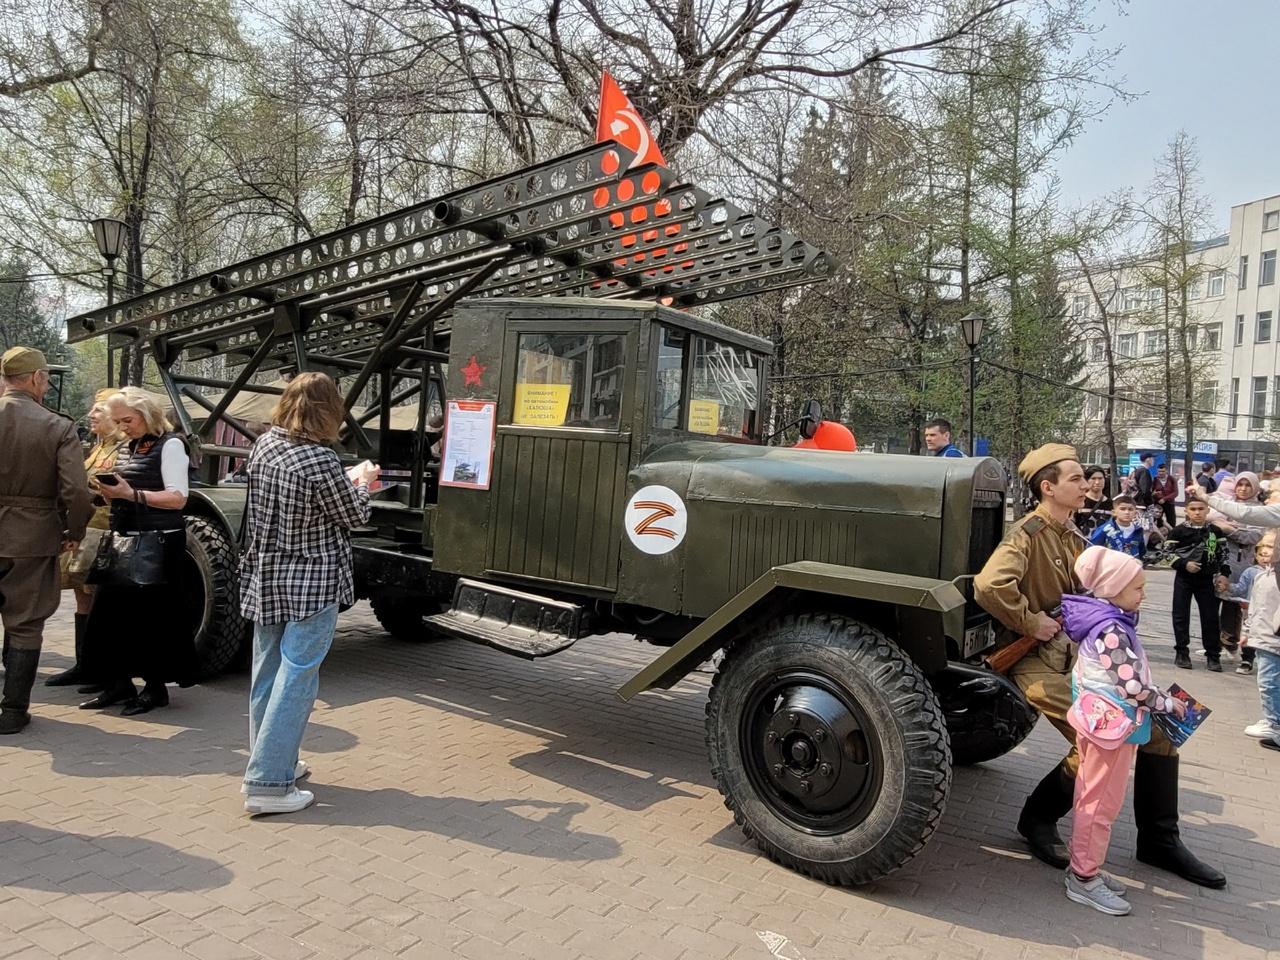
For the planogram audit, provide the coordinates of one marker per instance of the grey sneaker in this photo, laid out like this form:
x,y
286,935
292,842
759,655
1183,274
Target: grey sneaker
x,y
1096,894
1111,883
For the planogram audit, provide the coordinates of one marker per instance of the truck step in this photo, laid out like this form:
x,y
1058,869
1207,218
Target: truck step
x,y
524,624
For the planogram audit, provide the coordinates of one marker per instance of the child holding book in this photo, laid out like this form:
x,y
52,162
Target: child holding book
x,y
1113,699
1122,532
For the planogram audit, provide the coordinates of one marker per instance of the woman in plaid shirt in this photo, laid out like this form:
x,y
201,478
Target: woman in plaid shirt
x,y
295,571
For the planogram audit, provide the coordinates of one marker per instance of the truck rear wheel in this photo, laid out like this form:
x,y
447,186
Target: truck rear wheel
x,y
221,634
402,616
829,746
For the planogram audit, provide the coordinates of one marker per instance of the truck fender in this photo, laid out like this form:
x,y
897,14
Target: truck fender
x,y
223,505
928,611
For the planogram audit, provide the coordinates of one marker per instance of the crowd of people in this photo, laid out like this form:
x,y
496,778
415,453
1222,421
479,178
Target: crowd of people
x,y
110,527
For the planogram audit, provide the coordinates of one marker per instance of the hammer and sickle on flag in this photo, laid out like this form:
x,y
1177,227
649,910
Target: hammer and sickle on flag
x,y
618,120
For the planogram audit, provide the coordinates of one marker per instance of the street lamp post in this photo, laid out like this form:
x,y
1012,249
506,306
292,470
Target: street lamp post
x,y
971,330
108,234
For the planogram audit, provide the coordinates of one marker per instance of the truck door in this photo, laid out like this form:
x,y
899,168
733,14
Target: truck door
x,y
562,452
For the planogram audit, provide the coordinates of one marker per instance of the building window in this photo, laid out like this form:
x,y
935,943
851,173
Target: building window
x,y
1093,406
1127,345
1217,283
1239,329
1207,396
1258,404
1134,298
1235,403
1080,306
1213,336
1097,349
1152,402
1155,296
1267,269
1196,290
1263,334
1244,272
1270,221
1153,343
1275,397
1193,334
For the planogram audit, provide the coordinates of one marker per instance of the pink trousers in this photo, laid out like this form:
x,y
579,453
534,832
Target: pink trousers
x,y
1100,789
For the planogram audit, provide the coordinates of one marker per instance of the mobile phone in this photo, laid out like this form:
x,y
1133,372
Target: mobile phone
x,y
109,479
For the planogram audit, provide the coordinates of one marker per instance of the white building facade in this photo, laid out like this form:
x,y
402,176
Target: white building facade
x,y
1234,329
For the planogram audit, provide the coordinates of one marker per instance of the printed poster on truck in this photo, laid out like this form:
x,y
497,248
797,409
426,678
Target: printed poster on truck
x,y
469,429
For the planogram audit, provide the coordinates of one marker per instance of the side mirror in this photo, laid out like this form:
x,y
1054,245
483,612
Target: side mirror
x,y
810,419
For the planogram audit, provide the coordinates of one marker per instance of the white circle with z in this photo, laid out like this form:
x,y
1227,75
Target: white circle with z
x,y
656,519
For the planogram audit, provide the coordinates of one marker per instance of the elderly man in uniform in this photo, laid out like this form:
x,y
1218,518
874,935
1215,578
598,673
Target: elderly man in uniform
x,y
44,507
1021,585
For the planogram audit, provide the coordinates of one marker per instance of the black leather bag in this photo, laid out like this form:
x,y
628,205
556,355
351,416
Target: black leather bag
x,y
130,560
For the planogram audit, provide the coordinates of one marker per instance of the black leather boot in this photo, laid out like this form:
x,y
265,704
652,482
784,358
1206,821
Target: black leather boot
x,y
1155,811
19,676
1038,823
76,674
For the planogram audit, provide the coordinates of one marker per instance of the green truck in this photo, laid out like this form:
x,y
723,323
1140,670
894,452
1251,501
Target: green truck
x,y
570,451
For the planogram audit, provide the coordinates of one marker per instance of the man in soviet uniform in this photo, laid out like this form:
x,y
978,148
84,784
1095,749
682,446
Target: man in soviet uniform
x,y
44,506
1021,585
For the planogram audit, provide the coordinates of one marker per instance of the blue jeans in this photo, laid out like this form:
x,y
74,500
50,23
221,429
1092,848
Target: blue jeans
x,y
1267,666
286,679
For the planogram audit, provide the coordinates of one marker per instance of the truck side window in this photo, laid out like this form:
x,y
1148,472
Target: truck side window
x,y
569,380
725,392
667,414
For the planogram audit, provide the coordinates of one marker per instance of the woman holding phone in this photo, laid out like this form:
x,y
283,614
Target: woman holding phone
x,y
143,631
295,571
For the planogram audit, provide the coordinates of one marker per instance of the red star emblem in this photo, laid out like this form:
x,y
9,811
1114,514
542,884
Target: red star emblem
x,y
473,373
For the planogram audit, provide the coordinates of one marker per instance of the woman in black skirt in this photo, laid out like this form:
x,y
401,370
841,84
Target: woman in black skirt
x,y
137,631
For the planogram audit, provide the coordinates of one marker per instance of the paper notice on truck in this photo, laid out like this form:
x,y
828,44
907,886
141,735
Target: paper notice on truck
x,y
541,404
704,416
469,428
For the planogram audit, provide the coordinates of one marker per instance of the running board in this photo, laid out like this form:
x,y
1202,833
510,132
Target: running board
x,y
524,624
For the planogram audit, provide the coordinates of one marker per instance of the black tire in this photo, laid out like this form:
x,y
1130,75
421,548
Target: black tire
x,y
213,584
884,788
402,616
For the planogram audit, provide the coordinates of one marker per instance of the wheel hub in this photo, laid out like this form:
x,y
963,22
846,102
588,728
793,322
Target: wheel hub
x,y
811,747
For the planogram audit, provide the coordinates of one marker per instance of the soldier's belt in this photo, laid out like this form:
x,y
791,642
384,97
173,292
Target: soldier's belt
x,y
39,503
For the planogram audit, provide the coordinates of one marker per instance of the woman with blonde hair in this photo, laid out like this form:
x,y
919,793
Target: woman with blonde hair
x,y
146,629
295,571
100,459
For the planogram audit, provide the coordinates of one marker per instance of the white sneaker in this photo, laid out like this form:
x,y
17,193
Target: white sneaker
x,y
301,770
291,802
1262,730
1096,894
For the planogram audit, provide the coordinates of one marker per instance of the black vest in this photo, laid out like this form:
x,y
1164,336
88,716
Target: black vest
x,y
139,464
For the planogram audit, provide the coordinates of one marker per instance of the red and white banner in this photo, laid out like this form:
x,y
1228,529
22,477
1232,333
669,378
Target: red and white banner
x,y
619,120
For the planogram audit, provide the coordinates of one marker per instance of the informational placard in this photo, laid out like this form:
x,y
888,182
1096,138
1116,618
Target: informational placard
x,y
541,404
704,416
469,429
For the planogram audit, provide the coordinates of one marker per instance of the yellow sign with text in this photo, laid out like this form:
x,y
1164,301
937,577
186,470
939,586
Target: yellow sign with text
x,y
704,416
541,404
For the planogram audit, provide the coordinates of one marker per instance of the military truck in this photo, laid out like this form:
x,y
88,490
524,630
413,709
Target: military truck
x,y
603,469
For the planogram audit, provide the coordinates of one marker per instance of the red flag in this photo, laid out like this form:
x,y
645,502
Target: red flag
x,y
618,120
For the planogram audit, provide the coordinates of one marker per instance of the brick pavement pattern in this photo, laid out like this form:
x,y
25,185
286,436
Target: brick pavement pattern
x,y
473,805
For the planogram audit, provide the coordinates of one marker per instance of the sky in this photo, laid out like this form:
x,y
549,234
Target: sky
x,y
1204,66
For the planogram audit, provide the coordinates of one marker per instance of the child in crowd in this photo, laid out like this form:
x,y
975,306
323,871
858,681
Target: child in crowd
x,y
1257,584
1241,590
1122,532
1113,699
1200,556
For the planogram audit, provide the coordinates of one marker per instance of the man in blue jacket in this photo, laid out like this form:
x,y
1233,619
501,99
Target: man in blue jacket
x,y
937,437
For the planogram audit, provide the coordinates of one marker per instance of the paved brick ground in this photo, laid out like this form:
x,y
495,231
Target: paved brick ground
x,y
472,805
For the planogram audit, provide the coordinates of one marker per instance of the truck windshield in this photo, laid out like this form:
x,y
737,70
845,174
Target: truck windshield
x,y
722,395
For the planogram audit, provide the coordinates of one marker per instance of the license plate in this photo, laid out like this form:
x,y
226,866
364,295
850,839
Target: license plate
x,y
977,639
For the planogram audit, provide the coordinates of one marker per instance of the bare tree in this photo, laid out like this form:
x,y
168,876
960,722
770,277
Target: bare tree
x,y
50,43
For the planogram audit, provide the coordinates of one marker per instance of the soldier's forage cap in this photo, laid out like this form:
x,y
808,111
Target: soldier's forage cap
x,y
20,360
1041,457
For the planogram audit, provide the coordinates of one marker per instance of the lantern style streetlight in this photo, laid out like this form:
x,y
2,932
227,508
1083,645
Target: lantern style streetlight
x,y
108,234
971,330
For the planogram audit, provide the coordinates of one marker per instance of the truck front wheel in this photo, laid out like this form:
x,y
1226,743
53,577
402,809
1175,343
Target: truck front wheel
x,y
829,746
213,585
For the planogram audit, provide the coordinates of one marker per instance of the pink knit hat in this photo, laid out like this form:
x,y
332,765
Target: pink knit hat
x,y
1104,572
